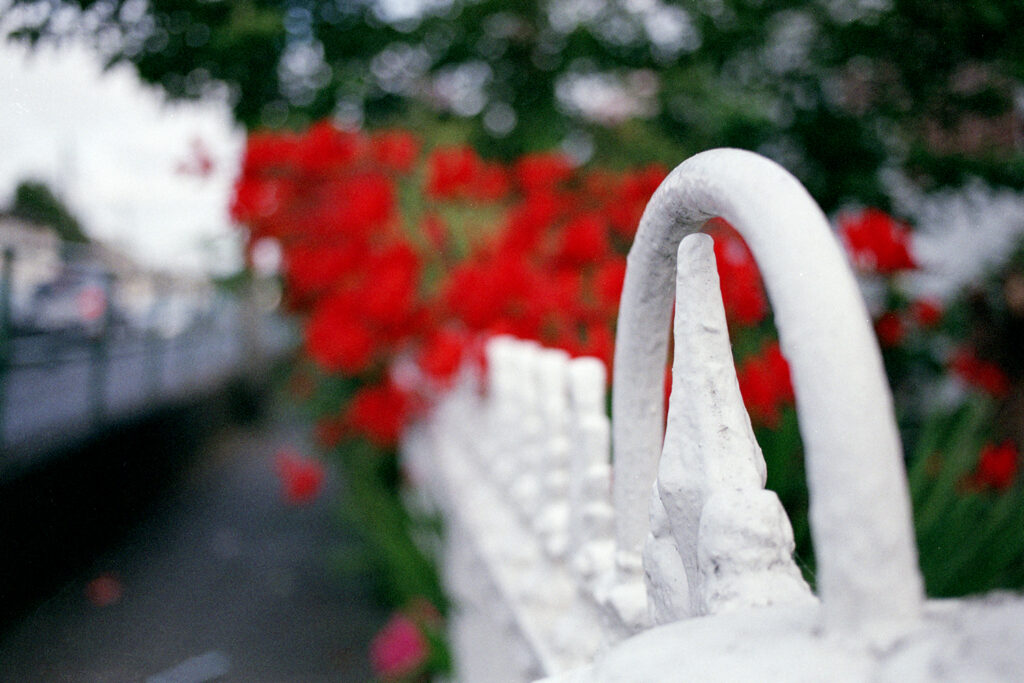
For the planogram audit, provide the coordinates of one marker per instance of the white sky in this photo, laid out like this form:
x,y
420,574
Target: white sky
x,y
111,148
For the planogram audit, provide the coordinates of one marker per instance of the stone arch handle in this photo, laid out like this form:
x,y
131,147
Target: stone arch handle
x,y
859,505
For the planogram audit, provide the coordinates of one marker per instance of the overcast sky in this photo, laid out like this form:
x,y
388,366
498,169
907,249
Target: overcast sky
x,y
112,149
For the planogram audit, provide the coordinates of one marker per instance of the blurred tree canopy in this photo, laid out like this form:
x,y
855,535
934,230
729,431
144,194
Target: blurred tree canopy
x,y
839,91
35,202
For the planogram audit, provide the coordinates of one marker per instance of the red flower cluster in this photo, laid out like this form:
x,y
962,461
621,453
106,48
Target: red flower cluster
x,y
546,261
766,385
893,326
979,373
877,241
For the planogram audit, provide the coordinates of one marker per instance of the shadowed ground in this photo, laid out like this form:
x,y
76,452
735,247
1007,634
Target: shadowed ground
x,y
223,581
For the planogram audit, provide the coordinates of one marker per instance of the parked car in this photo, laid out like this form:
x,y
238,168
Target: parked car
x,y
74,303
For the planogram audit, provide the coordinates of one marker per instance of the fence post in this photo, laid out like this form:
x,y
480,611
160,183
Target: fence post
x,y
98,366
860,507
6,333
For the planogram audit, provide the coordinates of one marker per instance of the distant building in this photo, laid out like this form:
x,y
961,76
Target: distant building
x,y
37,259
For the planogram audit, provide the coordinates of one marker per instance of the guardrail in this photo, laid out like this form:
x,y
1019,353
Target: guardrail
x,y
84,345
671,561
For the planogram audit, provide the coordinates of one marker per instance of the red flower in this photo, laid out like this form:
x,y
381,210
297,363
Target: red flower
x,y
379,413
491,184
542,171
361,205
997,466
890,329
980,374
877,241
742,292
267,152
927,312
627,204
313,270
442,353
324,149
529,222
766,385
399,649
584,240
301,478
336,336
387,293
608,283
255,199
395,149
451,171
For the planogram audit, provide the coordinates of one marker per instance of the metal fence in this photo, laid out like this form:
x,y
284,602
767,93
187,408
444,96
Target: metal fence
x,y
87,338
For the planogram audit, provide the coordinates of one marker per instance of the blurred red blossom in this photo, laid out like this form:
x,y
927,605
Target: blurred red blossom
x,y
542,171
584,240
337,338
927,312
978,373
628,200
997,466
395,150
378,413
766,385
442,354
742,292
301,478
451,171
877,241
890,329
399,649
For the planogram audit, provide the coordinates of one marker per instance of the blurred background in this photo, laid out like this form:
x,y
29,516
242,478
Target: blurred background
x,y
133,308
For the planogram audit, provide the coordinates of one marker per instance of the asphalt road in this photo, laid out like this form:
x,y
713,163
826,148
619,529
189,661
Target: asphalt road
x,y
224,581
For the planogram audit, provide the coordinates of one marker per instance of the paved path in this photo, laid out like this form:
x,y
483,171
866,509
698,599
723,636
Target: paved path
x,y
223,582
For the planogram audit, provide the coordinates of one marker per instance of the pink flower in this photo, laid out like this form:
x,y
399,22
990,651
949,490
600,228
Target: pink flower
x,y
399,649
301,478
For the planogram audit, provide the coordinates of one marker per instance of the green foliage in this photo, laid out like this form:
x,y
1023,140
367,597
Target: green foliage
x,y
36,203
835,91
969,540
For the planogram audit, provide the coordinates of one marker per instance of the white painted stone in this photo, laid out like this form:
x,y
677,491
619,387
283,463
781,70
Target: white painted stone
x,y
552,522
860,509
689,575
954,641
591,518
733,538
668,591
